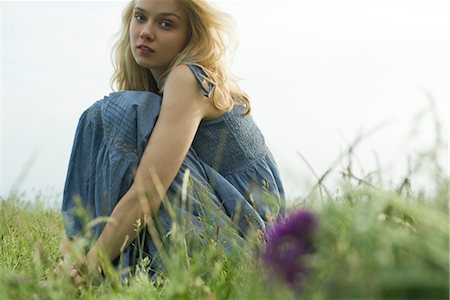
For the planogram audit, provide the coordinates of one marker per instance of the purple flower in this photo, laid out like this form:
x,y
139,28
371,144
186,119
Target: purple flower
x,y
288,241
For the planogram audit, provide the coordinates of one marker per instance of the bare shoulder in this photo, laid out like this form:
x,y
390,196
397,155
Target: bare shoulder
x,y
182,84
182,79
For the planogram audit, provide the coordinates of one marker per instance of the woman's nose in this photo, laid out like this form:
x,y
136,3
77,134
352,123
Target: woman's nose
x,y
148,32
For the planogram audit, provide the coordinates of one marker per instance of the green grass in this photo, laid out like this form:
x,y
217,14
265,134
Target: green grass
x,y
372,242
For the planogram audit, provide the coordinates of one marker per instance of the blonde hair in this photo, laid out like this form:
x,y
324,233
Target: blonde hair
x,y
208,31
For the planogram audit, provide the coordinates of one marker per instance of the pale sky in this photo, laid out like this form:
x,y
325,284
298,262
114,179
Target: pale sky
x,y
319,73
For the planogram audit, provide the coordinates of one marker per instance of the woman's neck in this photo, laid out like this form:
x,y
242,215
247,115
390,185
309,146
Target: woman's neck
x,y
158,75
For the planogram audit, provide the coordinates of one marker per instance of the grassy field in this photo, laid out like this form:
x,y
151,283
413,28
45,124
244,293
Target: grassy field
x,y
362,241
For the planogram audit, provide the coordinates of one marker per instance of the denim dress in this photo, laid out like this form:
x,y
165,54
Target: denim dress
x,y
233,181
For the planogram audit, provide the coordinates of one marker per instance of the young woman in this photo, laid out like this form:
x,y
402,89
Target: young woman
x,y
178,115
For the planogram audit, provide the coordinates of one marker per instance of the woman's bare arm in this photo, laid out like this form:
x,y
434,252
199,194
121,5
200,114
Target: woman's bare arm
x,y
182,109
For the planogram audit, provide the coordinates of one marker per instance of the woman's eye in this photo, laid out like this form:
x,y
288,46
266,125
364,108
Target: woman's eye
x,y
139,17
166,24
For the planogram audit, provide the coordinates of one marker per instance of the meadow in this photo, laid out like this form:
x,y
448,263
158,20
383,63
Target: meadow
x,y
364,239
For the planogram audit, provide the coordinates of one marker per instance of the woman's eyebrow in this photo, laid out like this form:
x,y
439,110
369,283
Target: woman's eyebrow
x,y
164,14
170,14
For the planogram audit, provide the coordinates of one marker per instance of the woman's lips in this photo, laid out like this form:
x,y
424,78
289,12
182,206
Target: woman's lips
x,y
145,50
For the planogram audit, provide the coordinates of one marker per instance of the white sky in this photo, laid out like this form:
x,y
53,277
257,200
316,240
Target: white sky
x,y
319,73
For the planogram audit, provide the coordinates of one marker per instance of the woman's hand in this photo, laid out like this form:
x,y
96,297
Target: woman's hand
x,y
73,264
65,267
75,277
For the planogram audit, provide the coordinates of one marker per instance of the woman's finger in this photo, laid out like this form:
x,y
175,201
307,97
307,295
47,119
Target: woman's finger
x,y
75,277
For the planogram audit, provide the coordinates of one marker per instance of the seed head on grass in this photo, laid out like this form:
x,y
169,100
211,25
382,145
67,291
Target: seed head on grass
x,y
288,242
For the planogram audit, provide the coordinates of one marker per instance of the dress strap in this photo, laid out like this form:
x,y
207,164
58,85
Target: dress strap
x,y
200,74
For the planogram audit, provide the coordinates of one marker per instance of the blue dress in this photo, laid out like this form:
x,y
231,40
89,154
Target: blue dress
x,y
233,179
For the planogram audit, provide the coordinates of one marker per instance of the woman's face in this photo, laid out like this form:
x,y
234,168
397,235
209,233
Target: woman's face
x,y
158,32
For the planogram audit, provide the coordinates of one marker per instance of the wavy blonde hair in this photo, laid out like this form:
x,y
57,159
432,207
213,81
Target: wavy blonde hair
x,y
211,35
